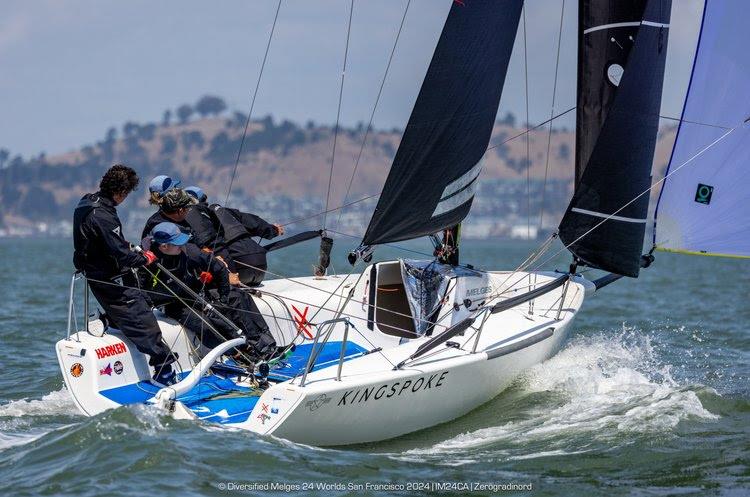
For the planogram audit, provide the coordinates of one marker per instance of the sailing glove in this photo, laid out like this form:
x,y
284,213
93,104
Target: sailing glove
x,y
150,257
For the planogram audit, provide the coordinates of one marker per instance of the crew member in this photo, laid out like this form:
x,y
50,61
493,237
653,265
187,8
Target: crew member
x,y
235,230
174,205
159,186
106,259
203,273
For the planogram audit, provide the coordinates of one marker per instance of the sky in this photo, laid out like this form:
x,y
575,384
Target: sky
x,y
70,69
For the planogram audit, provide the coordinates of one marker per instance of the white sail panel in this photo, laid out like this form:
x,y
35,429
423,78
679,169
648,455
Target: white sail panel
x,y
704,205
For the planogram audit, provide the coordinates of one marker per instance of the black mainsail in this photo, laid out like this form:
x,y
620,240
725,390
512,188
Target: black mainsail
x,y
432,180
622,49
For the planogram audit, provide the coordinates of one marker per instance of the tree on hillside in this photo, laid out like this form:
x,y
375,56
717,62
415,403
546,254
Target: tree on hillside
x,y
267,122
111,135
239,119
192,139
184,112
147,132
168,145
130,129
4,154
166,118
210,105
508,120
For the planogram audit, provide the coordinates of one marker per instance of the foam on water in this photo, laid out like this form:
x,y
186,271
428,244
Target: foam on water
x,y
53,404
600,388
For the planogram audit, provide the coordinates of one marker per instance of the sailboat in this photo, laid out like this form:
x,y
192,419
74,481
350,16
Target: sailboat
x,y
398,346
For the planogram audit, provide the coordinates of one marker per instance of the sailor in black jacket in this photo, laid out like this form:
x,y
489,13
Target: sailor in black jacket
x,y
174,205
202,273
106,259
234,229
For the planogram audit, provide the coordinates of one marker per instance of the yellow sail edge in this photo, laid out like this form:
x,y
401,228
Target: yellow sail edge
x,y
706,254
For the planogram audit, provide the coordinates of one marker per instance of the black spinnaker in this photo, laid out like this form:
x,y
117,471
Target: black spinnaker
x,y
432,180
621,54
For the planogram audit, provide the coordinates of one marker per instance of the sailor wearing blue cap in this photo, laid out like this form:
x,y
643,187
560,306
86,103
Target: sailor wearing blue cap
x,y
196,192
169,234
202,272
159,186
174,205
229,234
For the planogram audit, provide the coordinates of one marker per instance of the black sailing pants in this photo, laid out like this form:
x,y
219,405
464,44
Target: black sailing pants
x,y
129,312
240,309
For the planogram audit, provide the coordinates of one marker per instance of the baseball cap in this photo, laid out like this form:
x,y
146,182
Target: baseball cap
x,y
169,233
162,184
175,199
196,192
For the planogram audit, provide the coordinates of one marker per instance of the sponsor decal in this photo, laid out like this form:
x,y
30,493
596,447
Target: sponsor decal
x,y
317,402
274,410
300,318
264,407
478,291
107,370
704,193
389,390
110,350
76,370
118,367
263,418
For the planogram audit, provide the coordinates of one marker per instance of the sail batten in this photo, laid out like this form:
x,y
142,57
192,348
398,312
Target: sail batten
x,y
433,177
622,54
704,209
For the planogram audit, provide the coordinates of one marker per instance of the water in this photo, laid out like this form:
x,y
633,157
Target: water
x,y
649,397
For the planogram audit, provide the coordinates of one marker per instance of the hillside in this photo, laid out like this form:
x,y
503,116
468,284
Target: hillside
x,y
282,173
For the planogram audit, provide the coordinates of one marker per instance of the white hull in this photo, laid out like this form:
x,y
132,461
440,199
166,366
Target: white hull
x,y
372,400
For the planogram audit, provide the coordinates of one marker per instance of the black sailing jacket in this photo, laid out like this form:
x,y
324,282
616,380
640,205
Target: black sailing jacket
x,y
187,267
101,252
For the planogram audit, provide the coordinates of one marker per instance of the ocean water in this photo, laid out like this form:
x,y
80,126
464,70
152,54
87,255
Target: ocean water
x,y
650,396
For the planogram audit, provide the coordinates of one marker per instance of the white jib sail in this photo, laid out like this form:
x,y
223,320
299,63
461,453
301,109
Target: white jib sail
x,y
704,208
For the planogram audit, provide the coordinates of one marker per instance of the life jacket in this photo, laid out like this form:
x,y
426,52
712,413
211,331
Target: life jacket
x,y
203,223
231,226
85,207
248,257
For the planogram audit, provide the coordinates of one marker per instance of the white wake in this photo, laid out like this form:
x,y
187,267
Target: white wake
x,y
602,388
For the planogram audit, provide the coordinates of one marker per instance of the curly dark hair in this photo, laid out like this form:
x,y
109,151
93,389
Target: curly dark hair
x,y
118,179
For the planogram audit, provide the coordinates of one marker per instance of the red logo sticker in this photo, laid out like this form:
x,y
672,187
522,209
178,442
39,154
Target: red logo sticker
x,y
110,350
301,320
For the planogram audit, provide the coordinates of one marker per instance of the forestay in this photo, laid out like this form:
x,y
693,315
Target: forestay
x,y
705,207
622,51
431,182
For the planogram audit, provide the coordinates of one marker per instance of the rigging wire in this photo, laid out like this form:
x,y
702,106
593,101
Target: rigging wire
x,y
530,129
681,120
372,114
552,113
528,142
338,112
252,103
368,197
247,121
644,192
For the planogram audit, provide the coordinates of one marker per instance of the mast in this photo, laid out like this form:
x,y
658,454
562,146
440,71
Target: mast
x,y
431,184
621,52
